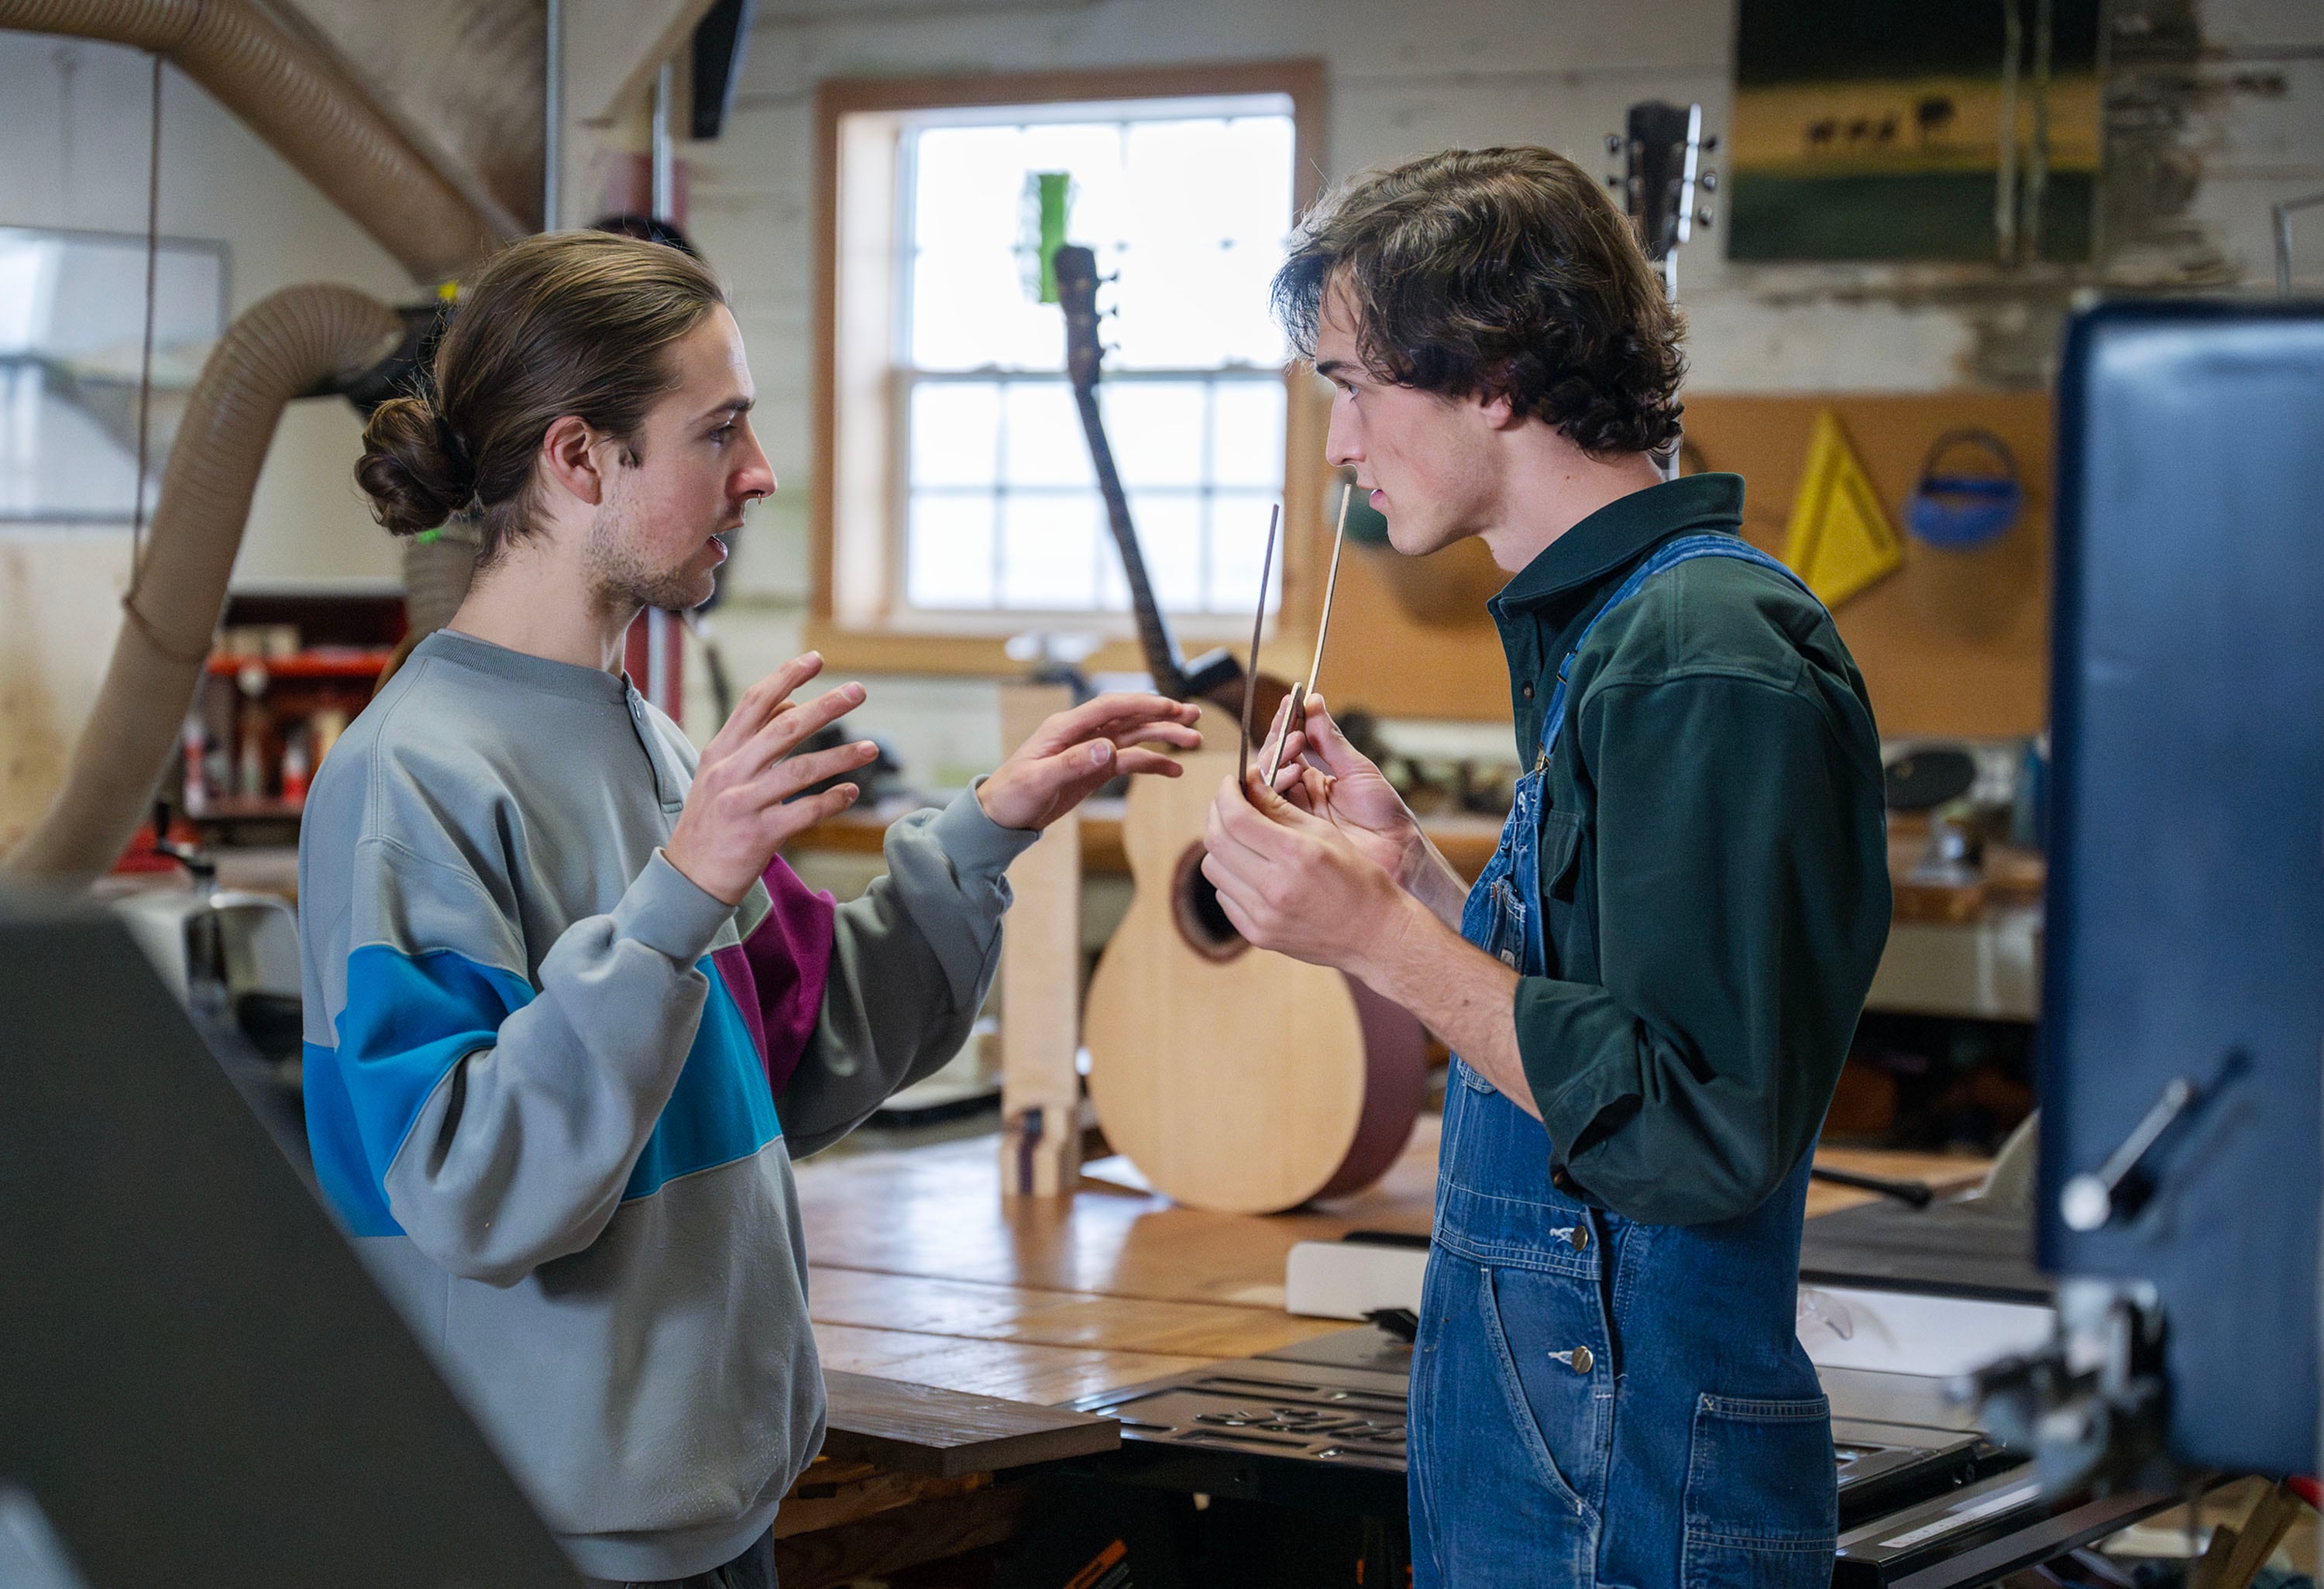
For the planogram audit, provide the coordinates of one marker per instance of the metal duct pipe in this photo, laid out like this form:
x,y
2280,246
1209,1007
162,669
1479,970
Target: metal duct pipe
x,y
308,111
281,346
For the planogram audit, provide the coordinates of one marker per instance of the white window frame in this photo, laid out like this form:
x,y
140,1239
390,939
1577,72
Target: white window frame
x,y
861,614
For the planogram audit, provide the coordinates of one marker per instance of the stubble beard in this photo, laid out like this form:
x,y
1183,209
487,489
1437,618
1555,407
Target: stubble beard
x,y
622,579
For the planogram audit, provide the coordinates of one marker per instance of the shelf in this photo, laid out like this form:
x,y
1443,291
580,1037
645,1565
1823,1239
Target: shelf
x,y
246,808
335,663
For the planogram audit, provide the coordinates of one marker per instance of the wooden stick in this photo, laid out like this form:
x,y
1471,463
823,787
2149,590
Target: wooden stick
x,y
1258,623
1300,693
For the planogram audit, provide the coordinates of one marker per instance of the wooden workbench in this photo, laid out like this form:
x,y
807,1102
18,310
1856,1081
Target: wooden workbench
x,y
921,1271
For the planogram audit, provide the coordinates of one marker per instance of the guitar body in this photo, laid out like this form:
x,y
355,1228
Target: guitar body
x,y
1237,1080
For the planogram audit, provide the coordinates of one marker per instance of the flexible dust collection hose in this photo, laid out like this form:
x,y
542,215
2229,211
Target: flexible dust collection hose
x,y
281,346
303,106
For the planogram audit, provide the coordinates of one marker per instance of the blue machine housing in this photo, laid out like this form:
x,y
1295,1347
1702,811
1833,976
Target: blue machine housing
x,y
2186,917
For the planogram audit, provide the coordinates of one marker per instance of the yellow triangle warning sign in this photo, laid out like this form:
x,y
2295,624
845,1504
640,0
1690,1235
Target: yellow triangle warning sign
x,y
1840,541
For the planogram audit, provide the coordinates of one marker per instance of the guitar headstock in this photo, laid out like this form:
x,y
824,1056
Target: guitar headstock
x,y
1077,272
1661,149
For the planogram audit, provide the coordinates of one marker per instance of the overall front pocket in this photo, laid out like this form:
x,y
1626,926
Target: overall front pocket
x,y
1762,1506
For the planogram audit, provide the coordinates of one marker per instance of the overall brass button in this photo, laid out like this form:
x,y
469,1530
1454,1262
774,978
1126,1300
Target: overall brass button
x,y
1582,1360
1578,1237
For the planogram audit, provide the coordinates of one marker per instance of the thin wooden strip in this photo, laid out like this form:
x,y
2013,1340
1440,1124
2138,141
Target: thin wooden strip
x,y
928,1429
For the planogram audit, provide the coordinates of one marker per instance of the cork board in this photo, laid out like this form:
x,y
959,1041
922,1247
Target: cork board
x,y
1954,643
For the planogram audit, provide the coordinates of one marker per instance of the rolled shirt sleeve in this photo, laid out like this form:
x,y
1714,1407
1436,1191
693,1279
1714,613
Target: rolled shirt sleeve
x,y
1741,899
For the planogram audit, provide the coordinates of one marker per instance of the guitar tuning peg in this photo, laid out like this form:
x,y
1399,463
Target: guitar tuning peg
x,y
1709,181
1612,180
1709,142
1613,142
1702,215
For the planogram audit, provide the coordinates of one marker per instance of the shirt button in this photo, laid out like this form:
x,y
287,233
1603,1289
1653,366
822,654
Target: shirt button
x,y
1582,1360
1528,692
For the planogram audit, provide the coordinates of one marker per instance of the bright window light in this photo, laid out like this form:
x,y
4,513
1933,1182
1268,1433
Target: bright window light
x,y
1187,205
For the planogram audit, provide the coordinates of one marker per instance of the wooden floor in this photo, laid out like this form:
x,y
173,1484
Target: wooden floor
x,y
922,1271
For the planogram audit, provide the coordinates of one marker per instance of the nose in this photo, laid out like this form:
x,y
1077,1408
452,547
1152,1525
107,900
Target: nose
x,y
1342,444
754,476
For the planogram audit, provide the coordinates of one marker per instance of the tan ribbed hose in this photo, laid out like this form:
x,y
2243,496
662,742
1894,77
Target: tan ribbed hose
x,y
281,346
304,107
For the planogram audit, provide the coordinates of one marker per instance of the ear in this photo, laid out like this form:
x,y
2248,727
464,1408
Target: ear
x,y
1500,413
570,457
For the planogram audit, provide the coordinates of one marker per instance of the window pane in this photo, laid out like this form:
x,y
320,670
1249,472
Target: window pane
x,y
1155,430
955,430
1170,539
1247,434
948,552
1191,214
1048,551
1042,443
1193,211
1238,548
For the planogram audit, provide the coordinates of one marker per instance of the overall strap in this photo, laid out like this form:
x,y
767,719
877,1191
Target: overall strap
x,y
1681,549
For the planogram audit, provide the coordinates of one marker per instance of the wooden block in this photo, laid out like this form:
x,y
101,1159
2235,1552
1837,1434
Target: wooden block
x,y
833,1493
903,1537
921,1429
1041,986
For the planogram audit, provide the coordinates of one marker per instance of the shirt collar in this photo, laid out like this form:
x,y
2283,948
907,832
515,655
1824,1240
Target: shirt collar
x,y
523,667
1620,531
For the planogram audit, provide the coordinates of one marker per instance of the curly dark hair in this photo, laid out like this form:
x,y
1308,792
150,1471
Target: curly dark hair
x,y
1493,272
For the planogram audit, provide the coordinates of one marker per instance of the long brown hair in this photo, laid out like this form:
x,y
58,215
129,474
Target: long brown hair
x,y
566,323
1497,273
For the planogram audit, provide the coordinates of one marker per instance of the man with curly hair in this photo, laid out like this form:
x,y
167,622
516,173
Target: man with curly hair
x,y
1653,985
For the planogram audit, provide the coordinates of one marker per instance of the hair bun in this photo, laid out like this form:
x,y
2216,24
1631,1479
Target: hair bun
x,y
413,468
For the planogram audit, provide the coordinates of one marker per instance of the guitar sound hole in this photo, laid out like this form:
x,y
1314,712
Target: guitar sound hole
x,y
1194,906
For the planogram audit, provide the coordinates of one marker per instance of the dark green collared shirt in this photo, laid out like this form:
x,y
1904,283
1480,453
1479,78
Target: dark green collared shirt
x,y
1714,865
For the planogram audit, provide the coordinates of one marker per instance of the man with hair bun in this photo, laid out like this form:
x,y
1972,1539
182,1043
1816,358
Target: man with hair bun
x,y
568,1016
1653,985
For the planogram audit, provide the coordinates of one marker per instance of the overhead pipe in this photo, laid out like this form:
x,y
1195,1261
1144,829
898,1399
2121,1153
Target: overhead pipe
x,y
293,342
306,110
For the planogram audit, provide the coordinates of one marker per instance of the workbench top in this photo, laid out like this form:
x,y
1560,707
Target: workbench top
x,y
923,1272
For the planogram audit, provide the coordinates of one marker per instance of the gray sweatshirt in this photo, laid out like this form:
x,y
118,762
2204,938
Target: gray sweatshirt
x,y
553,1088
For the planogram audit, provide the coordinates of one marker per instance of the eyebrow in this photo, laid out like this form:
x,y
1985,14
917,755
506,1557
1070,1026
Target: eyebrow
x,y
1330,369
732,405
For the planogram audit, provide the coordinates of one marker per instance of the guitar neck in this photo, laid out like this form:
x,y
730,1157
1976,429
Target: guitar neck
x,y
1154,637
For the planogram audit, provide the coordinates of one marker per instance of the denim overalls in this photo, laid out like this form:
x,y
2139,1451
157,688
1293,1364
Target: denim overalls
x,y
1596,1401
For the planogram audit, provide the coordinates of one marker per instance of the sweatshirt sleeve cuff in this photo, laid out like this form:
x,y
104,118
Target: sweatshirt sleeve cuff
x,y
668,912
980,848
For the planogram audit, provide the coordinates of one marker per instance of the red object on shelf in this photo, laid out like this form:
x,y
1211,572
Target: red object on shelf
x,y
139,856
351,662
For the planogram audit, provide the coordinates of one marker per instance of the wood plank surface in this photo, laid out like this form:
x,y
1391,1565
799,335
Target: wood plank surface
x,y
1014,1369
944,1433
980,1311
923,1272
936,1212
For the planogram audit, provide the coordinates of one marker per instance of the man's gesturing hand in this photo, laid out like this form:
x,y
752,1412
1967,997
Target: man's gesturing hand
x,y
1071,754
1293,882
1351,792
735,817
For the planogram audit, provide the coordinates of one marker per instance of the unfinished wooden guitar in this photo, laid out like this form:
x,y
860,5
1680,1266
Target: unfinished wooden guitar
x,y
1236,1079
